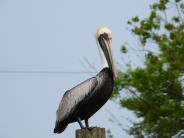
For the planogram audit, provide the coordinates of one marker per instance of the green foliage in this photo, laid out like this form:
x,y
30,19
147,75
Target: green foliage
x,y
157,89
123,49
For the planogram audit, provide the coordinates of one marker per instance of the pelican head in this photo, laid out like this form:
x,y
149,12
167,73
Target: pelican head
x,y
104,42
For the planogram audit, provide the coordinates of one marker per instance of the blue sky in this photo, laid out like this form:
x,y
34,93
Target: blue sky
x,y
45,35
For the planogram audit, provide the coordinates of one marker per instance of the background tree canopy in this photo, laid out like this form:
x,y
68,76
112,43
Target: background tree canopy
x,y
155,92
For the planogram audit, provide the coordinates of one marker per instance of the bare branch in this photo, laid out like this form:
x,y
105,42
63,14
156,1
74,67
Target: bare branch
x,y
90,64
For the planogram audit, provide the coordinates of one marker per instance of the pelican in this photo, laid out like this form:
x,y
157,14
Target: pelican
x,y
85,99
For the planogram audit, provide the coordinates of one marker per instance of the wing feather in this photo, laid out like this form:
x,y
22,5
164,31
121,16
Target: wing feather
x,y
73,97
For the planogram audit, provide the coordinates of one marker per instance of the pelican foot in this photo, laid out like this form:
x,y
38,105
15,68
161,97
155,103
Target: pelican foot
x,y
90,128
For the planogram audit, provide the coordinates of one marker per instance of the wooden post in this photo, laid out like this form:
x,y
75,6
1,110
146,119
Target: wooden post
x,y
91,133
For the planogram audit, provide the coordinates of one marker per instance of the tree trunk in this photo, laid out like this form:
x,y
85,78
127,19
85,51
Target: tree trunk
x,y
91,133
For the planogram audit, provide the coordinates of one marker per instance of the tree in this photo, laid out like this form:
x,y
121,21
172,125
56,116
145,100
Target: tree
x,y
157,94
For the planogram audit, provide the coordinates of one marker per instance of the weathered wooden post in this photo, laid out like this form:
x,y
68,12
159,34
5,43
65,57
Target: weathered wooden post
x,y
91,133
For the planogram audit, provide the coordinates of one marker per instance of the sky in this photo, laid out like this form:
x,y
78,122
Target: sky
x,y
56,36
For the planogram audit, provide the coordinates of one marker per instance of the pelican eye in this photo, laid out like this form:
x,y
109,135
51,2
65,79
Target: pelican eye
x,y
106,36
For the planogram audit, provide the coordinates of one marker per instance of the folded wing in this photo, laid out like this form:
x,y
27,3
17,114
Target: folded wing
x,y
73,97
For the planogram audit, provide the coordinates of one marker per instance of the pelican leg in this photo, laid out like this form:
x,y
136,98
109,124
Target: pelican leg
x,y
80,123
87,123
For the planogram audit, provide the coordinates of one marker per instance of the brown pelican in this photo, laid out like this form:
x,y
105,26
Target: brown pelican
x,y
85,99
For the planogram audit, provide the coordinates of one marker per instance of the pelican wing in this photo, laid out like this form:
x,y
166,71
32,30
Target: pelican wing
x,y
73,97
